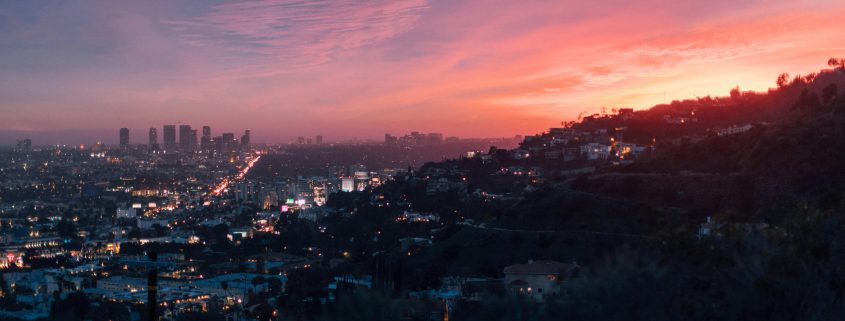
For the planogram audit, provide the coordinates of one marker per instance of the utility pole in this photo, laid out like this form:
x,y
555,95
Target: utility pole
x,y
152,290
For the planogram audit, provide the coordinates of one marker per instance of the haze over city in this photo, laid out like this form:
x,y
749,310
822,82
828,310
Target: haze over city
x,y
75,71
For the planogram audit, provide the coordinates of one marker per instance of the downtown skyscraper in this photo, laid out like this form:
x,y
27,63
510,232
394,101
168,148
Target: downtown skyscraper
x,y
170,138
245,140
187,138
153,138
205,141
124,138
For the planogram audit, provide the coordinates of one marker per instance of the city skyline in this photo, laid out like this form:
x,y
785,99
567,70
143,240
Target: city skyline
x,y
343,70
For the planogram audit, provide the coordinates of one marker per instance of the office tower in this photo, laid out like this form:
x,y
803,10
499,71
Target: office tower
x,y
153,138
124,138
217,144
435,138
319,139
245,141
390,139
24,146
205,141
229,143
193,140
170,137
185,133
300,140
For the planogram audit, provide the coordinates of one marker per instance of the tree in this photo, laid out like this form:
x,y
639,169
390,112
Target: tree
x,y
219,234
783,80
274,286
836,62
257,281
109,311
365,305
736,94
224,285
829,93
808,101
200,316
75,306
66,229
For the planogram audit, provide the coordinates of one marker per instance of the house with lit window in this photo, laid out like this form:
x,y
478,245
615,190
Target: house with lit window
x,y
595,151
520,154
629,150
538,280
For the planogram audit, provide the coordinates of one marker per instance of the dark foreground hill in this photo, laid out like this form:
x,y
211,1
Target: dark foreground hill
x,y
774,251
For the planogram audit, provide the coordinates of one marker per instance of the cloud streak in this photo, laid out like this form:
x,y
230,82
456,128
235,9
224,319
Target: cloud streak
x,y
295,34
343,68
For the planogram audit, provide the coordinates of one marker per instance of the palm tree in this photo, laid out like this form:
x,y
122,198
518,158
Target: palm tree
x,y
836,62
225,286
256,281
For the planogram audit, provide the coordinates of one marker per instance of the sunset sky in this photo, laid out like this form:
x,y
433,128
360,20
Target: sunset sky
x,y
74,71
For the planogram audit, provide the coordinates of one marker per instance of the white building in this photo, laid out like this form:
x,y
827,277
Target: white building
x,y
437,185
146,224
347,184
734,130
595,151
129,213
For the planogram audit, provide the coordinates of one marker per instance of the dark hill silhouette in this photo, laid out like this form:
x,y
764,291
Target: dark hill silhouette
x,y
798,156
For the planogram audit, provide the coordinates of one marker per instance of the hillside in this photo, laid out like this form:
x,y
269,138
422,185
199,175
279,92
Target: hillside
x,y
799,156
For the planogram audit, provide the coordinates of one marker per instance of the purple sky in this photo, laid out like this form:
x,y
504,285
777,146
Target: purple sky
x,y
76,71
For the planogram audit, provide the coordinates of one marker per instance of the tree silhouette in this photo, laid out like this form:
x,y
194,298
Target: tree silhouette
x,y
807,102
829,93
836,62
783,80
736,94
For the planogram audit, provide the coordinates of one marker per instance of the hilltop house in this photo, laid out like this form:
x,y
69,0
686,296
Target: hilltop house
x,y
538,279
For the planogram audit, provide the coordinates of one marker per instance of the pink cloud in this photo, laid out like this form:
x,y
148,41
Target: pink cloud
x,y
295,34
473,68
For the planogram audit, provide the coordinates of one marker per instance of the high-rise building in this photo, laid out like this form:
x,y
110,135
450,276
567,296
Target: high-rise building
x,y
153,138
185,133
24,146
229,143
390,139
245,141
217,144
435,138
319,139
205,141
124,138
193,139
300,140
170,138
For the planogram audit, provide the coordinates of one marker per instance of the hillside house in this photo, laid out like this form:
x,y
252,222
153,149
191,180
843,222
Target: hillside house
x,y
595,151
538,280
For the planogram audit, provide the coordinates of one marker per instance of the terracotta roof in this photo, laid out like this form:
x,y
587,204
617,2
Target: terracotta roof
x,y
540,268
